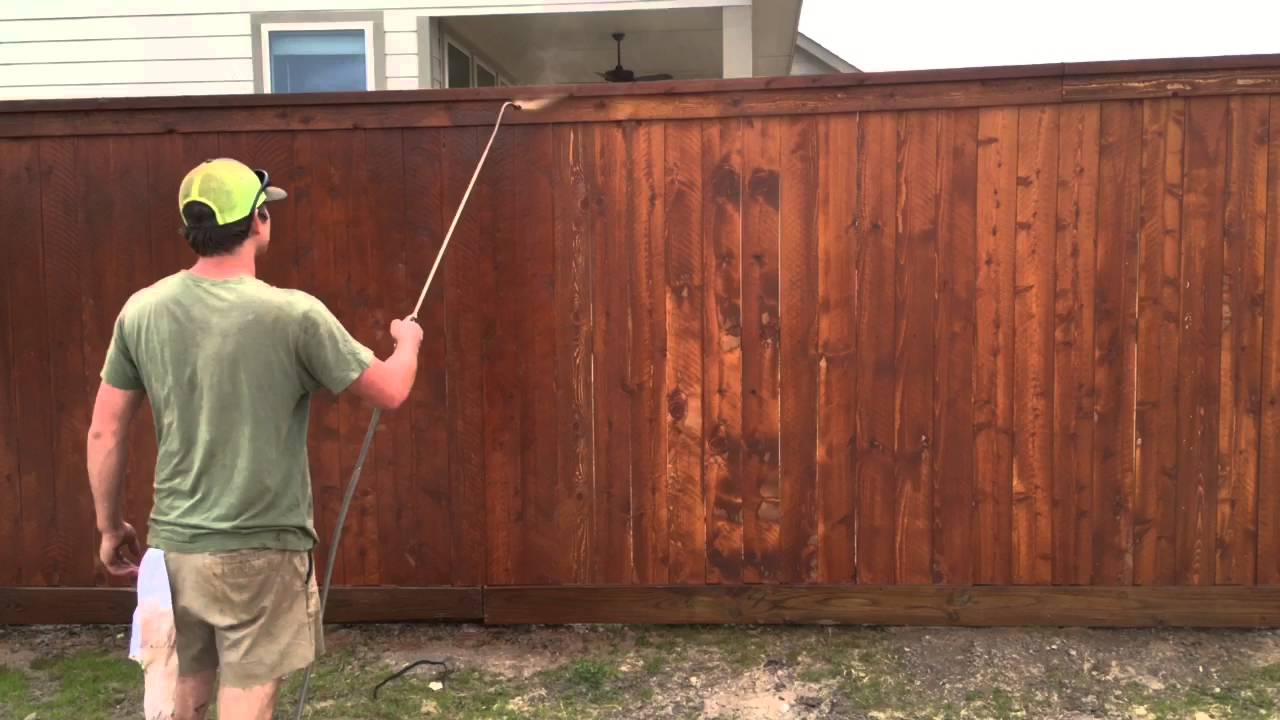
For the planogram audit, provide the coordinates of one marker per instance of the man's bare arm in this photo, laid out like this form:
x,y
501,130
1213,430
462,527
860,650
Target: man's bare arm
x,y
107,454
386,383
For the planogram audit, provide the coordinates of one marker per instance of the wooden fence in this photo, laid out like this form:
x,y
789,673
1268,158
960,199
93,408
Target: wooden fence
x,y
964,347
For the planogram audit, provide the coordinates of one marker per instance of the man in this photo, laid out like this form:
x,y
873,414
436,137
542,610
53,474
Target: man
x,y
229,364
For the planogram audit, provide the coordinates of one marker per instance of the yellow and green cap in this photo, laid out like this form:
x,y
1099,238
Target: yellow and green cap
x,y
229,187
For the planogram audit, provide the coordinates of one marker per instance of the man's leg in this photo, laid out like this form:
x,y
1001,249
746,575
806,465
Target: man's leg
x,y
191,700
255,703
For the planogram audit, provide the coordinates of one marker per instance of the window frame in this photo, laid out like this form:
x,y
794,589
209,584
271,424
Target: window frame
x,y
366,26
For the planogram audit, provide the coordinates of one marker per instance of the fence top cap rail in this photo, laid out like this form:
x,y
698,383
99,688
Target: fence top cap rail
x,y
672,88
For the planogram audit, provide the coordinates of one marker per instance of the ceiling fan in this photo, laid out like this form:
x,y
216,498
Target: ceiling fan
x,y
621,74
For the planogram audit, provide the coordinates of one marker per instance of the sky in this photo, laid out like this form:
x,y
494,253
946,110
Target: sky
x,y
924,34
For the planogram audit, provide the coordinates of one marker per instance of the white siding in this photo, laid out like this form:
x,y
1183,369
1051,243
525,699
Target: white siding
x,y
402,83
52,92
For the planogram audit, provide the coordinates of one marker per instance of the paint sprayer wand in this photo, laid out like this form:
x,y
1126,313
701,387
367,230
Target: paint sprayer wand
x,y
523,105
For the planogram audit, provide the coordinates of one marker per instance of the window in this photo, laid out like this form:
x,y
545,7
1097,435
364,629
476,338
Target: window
x,y
463,69
317,57
485,77
458,67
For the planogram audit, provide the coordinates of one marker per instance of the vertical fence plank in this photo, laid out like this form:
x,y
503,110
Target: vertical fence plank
x,y
953,457
572,215
646,221
323,159
761,383
1240,374
685,498
837,308
534,234
1240,390
1269,455
65,257
498,226
1073,390
875,422
1159,290
395,508
29,341
611,545
994,345
465,301
917,263
1115,364
11,527
798,357
355,263
722,369
1199,350
121,161
1033,351
428,541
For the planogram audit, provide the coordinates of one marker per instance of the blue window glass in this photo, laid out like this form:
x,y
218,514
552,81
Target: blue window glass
x,y
318,61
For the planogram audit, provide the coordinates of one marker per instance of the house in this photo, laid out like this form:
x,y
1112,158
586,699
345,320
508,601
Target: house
x,y
89,48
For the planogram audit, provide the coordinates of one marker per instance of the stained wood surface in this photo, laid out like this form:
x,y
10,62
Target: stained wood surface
x,y
722,346
761,381
874,416
919,344
1199,349
939,605
798,350
837,311
1033,350
1159,323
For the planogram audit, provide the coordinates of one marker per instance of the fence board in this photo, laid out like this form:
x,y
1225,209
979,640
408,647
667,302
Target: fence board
x,y
428,543
501,384
1159,297
647,223
916,298
1119,225
464,304
534,234
611,319
1073,360
798,346
1269,437
572,146
722,345
1033,350
953,457
837,310
1199,355
761,386
1240,391
877,201
685,335
994,348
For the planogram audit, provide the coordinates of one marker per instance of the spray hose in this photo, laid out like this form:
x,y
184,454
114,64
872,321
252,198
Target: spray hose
x,y
377,413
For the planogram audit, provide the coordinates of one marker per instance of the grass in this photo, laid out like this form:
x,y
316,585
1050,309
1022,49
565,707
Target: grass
x,y
87,684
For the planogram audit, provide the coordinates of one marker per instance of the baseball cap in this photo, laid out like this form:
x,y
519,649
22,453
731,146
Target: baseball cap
x,y
229,187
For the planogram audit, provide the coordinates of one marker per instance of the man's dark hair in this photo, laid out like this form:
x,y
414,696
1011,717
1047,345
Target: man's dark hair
x,y
206,236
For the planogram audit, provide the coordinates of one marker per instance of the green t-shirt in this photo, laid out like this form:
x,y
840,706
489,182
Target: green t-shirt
x,y
229,367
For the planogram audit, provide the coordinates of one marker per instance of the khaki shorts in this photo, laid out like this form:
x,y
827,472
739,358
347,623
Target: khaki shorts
x,y
252,614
